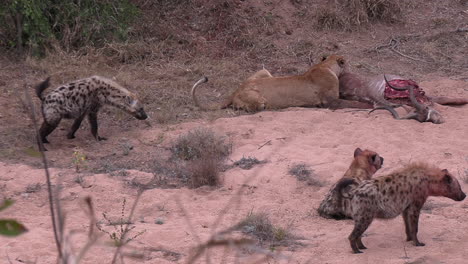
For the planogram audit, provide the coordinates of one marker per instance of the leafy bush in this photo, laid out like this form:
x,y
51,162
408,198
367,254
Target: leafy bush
x,y
36,24
10,227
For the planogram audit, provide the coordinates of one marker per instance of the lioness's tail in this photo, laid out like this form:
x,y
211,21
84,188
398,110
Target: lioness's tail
x,y
194,89
41,87
225,104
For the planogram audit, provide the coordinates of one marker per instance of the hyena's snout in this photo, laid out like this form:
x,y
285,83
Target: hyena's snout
x,y
461,196
140,114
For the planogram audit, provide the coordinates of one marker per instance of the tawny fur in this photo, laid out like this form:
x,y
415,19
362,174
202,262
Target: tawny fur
x,y
402,192
318,87
365,164
82,98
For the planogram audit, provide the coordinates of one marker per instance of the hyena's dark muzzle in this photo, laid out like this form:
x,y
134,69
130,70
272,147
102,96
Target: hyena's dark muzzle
x,y
140,114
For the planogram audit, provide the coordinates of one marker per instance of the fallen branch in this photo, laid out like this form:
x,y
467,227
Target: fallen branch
x,y
264,144
393,44
406,56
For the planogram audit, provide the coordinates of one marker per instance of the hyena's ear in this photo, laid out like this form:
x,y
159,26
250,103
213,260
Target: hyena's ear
x,y
357,152
447,179
134,103
131,101
341,62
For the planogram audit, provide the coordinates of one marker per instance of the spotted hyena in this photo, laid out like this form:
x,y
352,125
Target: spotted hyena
x,y
365,164
402,192
82,98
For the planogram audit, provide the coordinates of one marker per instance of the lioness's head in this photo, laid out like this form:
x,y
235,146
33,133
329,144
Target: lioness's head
x,y
334,62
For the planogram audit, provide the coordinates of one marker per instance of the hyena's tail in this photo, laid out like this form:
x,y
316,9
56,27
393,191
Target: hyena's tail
x,y
41,87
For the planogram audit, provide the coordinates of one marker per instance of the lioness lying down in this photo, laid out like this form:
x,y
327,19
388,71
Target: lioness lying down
x,y
318,87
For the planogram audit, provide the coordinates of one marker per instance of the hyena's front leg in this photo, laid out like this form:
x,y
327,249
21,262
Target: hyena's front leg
x,y
75,126
92,117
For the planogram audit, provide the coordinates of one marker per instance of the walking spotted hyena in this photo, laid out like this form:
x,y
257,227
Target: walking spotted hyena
x,y
365,164
402,192
82,98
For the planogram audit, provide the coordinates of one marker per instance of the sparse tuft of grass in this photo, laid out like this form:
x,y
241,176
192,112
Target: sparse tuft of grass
x,y
328,18
119,235
34,187
259,226
248,163
303,173
203,152
205,171
200,142
350,14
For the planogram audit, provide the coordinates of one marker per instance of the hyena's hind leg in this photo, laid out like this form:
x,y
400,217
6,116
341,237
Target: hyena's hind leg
x,y
46,128
75,126
92,118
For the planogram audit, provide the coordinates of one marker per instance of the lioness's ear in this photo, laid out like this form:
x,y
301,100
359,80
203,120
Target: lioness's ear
x,y
324,57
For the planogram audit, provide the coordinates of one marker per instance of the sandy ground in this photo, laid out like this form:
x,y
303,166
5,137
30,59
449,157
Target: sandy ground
x,y
323,139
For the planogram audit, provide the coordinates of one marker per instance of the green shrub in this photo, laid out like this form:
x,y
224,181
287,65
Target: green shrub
x,y
36,24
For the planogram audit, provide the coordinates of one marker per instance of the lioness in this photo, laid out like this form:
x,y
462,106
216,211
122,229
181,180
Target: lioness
x,y
365,164
318,87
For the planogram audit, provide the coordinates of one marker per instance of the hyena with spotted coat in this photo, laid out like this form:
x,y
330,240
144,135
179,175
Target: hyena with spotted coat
x,y
402,192
82,98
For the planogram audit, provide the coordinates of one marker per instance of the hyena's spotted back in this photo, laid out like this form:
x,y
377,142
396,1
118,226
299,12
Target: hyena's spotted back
x,y
84,98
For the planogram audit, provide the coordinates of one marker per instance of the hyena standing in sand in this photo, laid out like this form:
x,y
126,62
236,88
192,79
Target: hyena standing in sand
x,y
82,98
402,192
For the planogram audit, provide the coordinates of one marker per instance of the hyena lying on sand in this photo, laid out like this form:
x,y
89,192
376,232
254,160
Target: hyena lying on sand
x,y
365,164
82,98
402,192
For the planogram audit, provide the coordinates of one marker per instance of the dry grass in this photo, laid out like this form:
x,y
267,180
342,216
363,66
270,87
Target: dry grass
x,y
200,142
120,232
248,163
32,188
349,15
259,225
303,173
205,171
203,152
